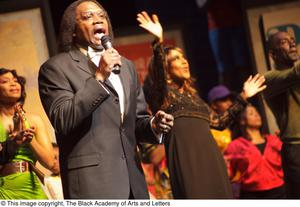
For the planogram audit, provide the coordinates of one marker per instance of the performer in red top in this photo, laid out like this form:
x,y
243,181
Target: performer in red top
x,y
254,158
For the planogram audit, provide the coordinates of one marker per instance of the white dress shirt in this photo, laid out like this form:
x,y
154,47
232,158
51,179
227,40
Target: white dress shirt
x,y
115,80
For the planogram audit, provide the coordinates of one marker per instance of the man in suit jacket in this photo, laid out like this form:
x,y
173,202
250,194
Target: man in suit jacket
x,y
98,116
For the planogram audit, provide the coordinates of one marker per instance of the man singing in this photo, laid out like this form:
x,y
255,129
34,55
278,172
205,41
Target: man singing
x,y
98,116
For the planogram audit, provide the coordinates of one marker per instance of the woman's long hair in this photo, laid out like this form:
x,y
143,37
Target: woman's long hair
x,y
21,80
158,81
187,85
68,26
240,130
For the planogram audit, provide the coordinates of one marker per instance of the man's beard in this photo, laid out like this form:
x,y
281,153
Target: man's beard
x,y
293,56
289,59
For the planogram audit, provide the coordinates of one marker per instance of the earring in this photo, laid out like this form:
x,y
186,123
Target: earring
x,y
168,79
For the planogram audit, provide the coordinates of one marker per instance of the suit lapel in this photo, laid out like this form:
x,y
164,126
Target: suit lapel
x,y
109,85
83,62
125,80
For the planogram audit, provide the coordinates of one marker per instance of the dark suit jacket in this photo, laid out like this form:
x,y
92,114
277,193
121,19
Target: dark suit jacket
x,y
97,151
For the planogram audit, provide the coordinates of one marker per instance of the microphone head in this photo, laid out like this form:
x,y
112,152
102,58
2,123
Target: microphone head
x,y
106,42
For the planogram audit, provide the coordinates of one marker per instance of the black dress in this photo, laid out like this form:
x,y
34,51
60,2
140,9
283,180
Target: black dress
x,y
196,165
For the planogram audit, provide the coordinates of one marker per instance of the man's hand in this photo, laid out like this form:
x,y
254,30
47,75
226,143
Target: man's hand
x,y
253,85
162,122
108,60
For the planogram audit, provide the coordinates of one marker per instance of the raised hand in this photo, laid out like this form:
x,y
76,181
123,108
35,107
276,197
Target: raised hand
x,y
253,85
151,25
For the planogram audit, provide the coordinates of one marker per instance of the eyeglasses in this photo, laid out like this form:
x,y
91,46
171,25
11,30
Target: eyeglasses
x,y
91,14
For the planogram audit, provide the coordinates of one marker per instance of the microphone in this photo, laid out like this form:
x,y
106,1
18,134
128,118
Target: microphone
x,y
106,43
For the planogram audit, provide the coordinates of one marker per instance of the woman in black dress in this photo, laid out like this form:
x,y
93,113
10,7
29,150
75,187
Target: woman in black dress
x,y
197,169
